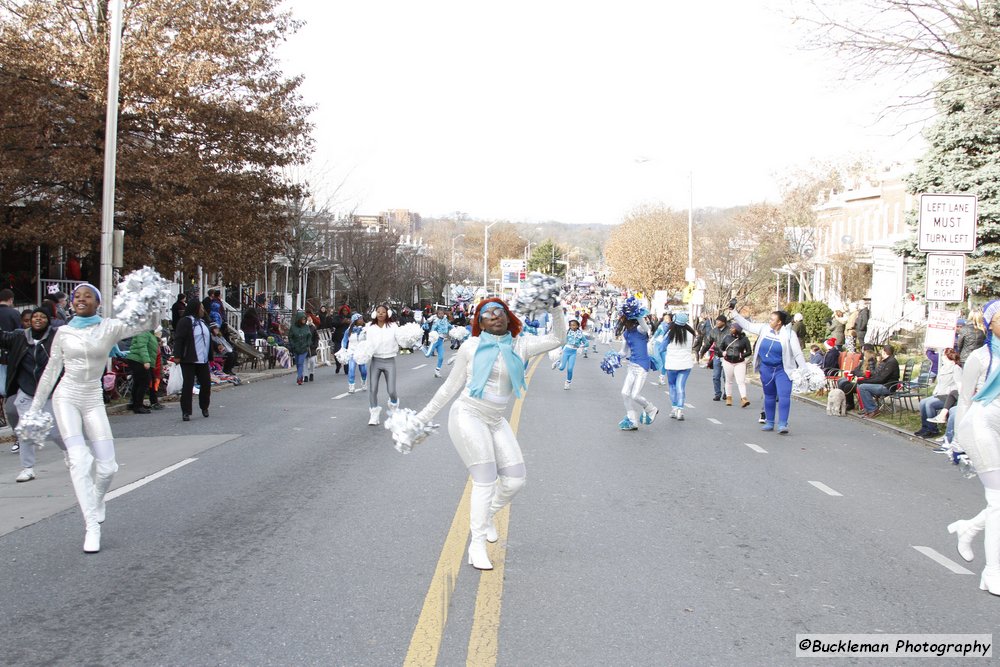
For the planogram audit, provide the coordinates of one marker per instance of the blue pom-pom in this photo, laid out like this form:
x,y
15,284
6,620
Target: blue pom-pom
x,y
612,360
632,309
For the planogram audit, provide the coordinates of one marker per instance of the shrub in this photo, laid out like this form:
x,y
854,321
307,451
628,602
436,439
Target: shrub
x,y
816,316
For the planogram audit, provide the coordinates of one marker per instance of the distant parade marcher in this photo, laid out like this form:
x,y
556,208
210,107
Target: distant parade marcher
x,y
576,339
381,334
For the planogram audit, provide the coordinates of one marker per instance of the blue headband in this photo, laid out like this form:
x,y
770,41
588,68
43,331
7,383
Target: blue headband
x,y
492,305
93,289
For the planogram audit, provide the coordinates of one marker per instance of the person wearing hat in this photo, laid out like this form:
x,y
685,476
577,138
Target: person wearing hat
x,y
779,354
978,422
831,360
799,327
678,362
141,358
77,361
736,349
714,337
636,363
28,353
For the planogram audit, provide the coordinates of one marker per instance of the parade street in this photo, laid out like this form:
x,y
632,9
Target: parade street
x,y
286,531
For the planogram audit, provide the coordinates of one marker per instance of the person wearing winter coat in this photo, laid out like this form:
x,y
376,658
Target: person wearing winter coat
x,y
28,353
971,337
339,322
838,327
714,337
355,333
141,358
799,327
299,340
735,350
678,362
193,350
779,354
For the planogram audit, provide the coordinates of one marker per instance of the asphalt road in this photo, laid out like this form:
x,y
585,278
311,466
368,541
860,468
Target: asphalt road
x,y
297,535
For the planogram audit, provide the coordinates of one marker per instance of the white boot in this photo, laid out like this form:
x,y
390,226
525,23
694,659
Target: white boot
x,y
990,581
967,531
506,489
479,513
350,387
375,412
393,406
104,473
80,463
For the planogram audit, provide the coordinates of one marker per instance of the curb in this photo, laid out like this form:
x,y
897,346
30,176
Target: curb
x,y
928,444
121,408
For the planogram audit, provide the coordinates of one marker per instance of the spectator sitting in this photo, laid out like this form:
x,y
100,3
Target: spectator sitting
x,y
864,369
831,360
884,381
816,356
934,358
223,348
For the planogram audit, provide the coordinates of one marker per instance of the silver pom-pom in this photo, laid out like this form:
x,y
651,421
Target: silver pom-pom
x,y
433,337
34,427
409,336
140,296
539,292
363,351
407,430
462,293
344,355
807,379
458,333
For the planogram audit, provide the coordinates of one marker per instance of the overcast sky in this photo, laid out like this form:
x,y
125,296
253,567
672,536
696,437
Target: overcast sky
x,y
571,111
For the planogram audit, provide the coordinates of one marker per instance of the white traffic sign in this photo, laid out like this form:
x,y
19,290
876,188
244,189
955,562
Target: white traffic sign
x,y
947,223
941,328
945,278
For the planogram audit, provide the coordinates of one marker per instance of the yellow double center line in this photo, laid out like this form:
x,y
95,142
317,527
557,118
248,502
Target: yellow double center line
x,y
426,640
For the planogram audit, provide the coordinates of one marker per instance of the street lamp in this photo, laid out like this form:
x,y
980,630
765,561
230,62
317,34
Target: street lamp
x,y
110,152
486,253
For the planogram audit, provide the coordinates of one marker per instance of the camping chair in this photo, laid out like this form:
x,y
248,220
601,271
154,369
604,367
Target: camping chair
x,y
916,388
848,362
904,381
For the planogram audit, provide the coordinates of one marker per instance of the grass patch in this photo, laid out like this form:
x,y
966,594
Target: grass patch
x,y
904,418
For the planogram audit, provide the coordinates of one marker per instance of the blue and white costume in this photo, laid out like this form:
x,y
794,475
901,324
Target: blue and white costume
x,y
575,341
635,349
354,334
441,326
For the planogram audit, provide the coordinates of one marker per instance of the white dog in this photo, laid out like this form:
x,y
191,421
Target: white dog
x,y
836,403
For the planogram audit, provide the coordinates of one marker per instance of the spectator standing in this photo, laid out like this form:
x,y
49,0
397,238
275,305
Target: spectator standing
x,y
299,339
850,330
799,327
177,310
141,358
10,320
192,349
838,327
27,355
340,322
971,337
250,326
861,324
714,337
736,349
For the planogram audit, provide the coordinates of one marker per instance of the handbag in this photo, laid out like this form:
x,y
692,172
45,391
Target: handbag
x,y
175,381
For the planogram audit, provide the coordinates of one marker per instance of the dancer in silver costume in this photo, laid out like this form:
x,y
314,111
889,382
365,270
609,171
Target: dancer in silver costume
x,y
978,422
80,354
489,369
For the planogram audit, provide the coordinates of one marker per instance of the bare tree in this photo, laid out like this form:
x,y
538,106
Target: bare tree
x,y
368,261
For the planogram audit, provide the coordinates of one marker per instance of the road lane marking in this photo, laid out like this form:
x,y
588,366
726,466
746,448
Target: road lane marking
x,y
825,489
483,640
146,480
688,405
943,560
419,367
425,643
339,396
714,421
756,448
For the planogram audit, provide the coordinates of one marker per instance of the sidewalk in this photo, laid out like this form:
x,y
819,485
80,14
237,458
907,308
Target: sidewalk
x,y
246,377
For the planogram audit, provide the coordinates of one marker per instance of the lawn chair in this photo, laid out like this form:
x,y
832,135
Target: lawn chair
x,y
904,381
848,362
916,388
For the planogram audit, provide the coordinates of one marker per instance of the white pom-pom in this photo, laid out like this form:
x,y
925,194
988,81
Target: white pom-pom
x,y
344,355
458,333
34,427
409,336
363,351
407,430
433,337
142,294
462,293
807,379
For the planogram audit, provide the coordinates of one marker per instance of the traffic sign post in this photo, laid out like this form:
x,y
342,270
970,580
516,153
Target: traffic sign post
x,y
940,329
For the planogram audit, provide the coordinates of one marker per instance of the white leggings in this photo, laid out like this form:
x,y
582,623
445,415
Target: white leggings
x,y
739,372
634,401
